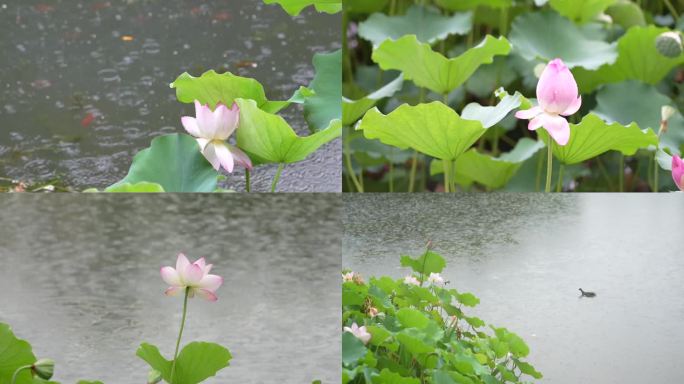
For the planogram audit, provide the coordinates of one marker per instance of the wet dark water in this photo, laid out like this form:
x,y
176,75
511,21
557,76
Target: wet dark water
x,y
84,85
526,255
84,286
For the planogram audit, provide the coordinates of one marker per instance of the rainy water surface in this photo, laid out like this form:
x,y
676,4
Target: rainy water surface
x,y
526,255
84,85
84,286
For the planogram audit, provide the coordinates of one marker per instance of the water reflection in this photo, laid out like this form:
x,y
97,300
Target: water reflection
x,y
526,255
85,290
84,85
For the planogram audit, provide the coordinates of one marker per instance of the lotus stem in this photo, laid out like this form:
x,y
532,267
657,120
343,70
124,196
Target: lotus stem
x,y
559,184
248,181
350,168
446,164
180,334
622,173
412,174
549,166
277,177
391,176
672,9
655,171
16,373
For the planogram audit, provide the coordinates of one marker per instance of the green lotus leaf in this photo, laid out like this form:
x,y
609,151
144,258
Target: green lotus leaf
x,y
388,377
593,136
433,129
294,7
427,24
429,262
462,5
547,35
14,353
196,362
175,163
489,171
581,11
324,106
412,318
212,88
638,59
352,110
364,6
432,70
352,349
616,103
268,138
142,186
491,115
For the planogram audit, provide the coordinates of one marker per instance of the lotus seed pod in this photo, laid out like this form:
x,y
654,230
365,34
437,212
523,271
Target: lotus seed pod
x,y
669,44
43,368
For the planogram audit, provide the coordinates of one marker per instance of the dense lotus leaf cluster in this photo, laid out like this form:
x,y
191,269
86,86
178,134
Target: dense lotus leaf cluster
x,y
415,71
416,330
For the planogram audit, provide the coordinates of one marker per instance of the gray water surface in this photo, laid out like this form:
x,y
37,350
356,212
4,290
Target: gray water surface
x,y
66,61
526,255
82,283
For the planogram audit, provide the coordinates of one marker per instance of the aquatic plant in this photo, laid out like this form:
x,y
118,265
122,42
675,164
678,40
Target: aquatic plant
x,y
425,105
212,129
192,364
416,330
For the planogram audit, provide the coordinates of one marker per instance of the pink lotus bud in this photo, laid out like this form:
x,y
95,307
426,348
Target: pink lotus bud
x,y
372,311
678,172
558,96
411,280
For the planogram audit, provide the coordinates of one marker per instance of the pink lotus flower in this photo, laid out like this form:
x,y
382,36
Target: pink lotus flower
x,y
678,171
195,277
212,129
558,96
360,332
435,279
411,280
349,276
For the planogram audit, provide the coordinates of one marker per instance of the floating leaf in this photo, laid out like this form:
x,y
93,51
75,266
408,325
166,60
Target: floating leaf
x,y
324,106
427,24
268,138
14,353
489,171
352,110
593,136
638,59
616,103
547,35
433,129
581,11
294,7
175,163
461,5
212,88
430,69
196,362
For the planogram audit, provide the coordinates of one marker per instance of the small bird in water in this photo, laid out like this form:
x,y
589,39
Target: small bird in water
x,y
586,293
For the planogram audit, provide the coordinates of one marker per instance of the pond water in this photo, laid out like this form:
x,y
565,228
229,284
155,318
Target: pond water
x,y
526,255
84,85
84,287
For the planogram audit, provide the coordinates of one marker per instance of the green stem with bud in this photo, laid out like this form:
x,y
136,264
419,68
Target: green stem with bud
x,y
180,334
16,373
